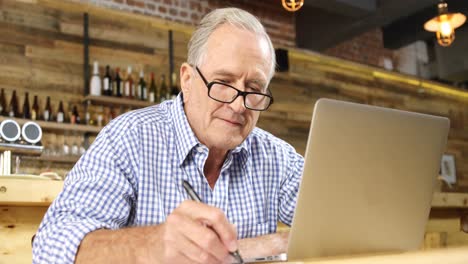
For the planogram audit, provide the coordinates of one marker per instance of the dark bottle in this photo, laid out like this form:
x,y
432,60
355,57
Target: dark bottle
x,y
75,116
13,108
142,87
48,110
26,108
118,83
3,107
107,82
164,92
60,113
153,94
67,117
111,114
35,109
174,87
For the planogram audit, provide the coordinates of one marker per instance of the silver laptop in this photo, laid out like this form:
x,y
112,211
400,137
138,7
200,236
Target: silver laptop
x,y
367,183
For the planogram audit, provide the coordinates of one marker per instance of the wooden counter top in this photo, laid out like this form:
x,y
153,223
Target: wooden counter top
x,y
43,192
437,256
23,192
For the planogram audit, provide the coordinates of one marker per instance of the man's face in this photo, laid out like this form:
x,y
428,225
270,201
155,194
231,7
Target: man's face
x,y
236,57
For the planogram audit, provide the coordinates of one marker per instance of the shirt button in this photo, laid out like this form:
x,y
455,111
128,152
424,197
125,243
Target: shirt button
x,y
200,149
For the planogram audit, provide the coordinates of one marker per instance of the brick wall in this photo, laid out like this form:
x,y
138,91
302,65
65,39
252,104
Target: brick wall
x,y
366,48
280,24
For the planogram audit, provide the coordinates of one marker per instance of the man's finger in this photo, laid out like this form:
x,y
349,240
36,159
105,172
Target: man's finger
x,y
215,219
193,252
202,236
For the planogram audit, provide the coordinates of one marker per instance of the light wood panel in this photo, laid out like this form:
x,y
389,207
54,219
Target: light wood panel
x,y
28,192
17,226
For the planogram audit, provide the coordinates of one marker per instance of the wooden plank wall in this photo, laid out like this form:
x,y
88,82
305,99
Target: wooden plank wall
x,y
312,76
43,55
17,226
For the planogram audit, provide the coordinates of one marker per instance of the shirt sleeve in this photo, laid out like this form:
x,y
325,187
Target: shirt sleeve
x,y
289,189
98,193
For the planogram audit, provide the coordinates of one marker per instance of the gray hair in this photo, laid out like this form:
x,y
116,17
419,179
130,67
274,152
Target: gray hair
x,y
234,16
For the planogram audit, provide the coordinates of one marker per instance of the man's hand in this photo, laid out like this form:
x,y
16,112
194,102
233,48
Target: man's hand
x,y
267,245
196,233
193,233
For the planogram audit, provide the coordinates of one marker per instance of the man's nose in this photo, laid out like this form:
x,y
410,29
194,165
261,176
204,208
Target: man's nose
x,y
238,105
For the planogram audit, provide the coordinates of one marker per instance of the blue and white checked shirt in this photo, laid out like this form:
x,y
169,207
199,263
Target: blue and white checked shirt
x,y
132,176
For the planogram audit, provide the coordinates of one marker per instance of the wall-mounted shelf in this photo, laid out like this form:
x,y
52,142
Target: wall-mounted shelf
x,y
54,126
55,159
116,101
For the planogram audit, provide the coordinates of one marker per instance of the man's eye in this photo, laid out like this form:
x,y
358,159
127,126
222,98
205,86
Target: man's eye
x,y
255,89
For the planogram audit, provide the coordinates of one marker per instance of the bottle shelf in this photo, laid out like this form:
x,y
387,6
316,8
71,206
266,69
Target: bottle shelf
x,y
55,159
116,101
54,126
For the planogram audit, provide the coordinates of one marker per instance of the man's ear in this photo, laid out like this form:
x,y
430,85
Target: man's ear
x,y
186,79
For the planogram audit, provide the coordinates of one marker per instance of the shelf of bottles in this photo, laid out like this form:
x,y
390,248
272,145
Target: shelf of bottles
x,y
45,118
120,89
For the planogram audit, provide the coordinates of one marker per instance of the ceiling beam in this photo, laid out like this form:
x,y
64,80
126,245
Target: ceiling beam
x,y
319,29
349,8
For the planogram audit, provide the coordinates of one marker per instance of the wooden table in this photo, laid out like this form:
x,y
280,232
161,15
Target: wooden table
x,y
435,256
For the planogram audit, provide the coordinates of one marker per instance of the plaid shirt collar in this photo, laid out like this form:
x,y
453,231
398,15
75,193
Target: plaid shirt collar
x,y
185,137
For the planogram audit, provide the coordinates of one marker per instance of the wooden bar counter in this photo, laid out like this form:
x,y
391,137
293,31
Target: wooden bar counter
x,y
435,256
24,202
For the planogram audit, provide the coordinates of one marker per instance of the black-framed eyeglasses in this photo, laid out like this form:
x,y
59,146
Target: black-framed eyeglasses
x,y
226,93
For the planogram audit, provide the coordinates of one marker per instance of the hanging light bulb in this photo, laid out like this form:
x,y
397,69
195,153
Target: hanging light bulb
x,y
292,5
445,24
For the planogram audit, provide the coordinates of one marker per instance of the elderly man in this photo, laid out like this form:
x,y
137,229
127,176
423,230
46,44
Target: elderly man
x,y
124,202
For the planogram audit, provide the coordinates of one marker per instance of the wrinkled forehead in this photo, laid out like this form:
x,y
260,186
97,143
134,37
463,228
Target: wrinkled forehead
x,y
230,44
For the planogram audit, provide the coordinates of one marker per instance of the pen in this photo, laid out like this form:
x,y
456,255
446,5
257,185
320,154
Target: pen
x,y
194,196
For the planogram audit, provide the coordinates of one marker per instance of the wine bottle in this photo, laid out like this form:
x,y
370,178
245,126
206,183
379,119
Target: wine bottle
x,y
107,82
142,87
111,114
48,110
13,108
100,116
152,90
174,87
3,108
95,86
60,113
128,91
75,117
26,110
164,93
118,83
88,113
35,109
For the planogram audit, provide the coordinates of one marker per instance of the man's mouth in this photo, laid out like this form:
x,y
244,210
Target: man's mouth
x,y
233,122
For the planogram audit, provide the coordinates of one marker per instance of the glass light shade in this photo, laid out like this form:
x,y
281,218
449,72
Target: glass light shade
x,y
444,25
